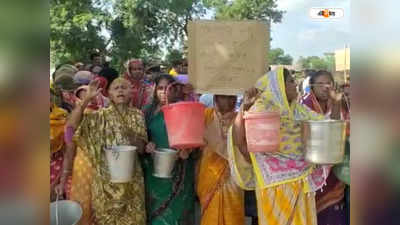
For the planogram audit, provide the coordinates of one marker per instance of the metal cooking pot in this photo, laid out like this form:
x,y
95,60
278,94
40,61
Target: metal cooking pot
x,y
324,141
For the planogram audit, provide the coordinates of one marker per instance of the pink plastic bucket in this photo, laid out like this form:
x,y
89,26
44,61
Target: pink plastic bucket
x,y
262,131
185,124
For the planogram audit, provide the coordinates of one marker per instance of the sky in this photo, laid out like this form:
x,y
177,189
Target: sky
x,y
299,35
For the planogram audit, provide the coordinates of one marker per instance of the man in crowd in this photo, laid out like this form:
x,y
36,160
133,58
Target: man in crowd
x,y
96,64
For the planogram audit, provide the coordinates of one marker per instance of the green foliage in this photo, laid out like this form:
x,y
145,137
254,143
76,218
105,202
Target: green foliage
x,y
173,56
277,57
143,27
74,30
330,60
316,63
137,28
246,9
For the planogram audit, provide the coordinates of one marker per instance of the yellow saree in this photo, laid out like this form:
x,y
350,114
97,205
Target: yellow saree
x,y
222,201
82,176
57,121
58,118
117,204
283,181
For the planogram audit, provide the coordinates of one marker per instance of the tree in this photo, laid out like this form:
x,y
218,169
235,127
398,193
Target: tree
x,y
174,56
277,57
143,27
75,30
314,62
137,28
330,60
265,10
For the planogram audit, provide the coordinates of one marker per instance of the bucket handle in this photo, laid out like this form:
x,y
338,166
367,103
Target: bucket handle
x,y
57,195
115,154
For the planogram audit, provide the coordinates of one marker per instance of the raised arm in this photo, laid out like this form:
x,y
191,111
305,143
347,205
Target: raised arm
x,y
77,113
71,125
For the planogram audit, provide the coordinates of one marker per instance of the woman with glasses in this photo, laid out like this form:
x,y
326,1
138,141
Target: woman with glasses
x,y
331,207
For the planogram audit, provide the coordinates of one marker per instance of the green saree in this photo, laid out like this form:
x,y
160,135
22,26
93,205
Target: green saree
x,y
169,201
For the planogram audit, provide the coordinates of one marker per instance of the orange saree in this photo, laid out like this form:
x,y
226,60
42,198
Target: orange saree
x,y
222,201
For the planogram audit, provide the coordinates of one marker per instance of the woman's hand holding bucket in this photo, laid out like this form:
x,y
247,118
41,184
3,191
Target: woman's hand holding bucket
x,y
150,147
184,153
238,128
250,97
59,188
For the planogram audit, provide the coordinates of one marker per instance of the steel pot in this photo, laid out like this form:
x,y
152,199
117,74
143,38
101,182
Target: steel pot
x,y
323,141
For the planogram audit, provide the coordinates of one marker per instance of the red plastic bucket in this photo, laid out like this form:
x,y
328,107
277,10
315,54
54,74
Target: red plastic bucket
x,y
185,124
262,131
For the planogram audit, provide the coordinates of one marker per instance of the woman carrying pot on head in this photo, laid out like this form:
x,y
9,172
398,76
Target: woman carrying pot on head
x,y
283,180
119,124
221,199
331,200
168,200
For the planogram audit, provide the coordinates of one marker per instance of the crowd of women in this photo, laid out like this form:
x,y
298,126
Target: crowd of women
x,y
90,112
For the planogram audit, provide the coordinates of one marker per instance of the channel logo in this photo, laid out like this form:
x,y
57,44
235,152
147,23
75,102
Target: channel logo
x,y
326,13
